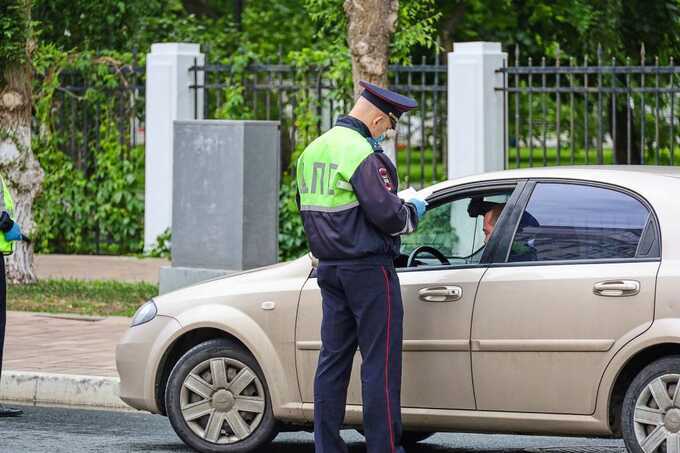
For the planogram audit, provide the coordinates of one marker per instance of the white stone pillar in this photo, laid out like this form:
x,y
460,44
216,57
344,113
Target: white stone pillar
x,y
389,146
168,98
475,108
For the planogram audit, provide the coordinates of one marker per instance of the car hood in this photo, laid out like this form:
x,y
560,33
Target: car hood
x,y
269,279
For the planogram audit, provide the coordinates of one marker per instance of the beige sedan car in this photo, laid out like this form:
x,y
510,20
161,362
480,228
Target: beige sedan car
x,y
567,322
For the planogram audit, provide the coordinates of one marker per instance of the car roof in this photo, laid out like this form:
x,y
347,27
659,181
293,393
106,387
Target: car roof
x,y
631,176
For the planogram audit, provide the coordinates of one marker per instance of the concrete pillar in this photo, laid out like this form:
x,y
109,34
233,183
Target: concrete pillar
x,y
226,189
389,146
168,98
475,108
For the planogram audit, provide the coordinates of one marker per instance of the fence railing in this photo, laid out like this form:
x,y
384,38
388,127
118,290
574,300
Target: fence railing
x,y
571,113
275,91
78,116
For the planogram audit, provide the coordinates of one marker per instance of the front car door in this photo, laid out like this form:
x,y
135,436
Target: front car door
x,y
573,283
438,302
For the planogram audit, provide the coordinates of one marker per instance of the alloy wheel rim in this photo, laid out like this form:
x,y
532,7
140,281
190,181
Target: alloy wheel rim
x,y
657,415
222,400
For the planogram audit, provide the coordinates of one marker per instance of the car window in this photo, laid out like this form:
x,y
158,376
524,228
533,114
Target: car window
x,y
455,228
578,222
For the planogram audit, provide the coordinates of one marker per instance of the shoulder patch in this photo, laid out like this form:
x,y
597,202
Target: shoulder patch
x,y
385,176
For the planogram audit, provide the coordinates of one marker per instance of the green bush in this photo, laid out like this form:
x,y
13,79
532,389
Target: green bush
x,y
292,240
97,207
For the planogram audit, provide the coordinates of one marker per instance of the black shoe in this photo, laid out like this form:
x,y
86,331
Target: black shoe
x,y
10,412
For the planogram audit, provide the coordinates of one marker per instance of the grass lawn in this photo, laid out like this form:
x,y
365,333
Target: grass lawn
x,y
415,175
580,157
551,157
93,298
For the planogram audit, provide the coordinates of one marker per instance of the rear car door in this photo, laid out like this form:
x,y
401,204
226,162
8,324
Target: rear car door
x,y
574,281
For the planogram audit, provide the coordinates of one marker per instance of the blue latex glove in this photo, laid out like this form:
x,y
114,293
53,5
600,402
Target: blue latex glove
x,y
420,205
14,234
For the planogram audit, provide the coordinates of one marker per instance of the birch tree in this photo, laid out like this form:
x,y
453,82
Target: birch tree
x,y
18,165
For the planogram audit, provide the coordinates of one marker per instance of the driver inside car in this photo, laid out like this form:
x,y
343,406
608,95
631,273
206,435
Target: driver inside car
x,y
491,212
520,250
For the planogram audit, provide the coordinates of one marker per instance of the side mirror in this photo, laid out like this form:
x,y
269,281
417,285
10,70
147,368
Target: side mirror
x,y
315,260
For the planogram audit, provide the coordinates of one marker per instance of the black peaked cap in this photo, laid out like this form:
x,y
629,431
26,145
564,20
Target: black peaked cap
x,y
387,101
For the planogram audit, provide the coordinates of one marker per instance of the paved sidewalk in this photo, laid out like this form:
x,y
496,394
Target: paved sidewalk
x,y
64,344
62,359
99,267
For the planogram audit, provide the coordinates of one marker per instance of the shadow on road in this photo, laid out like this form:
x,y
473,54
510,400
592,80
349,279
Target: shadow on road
x,y
308,447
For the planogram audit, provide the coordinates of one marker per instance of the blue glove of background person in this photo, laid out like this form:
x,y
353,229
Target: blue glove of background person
x,y
420,205
14,234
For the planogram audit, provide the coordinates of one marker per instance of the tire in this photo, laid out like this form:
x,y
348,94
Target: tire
x,y
410,438
236,408
650,417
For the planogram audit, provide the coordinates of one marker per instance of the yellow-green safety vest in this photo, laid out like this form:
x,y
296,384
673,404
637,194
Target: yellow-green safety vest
x,y
6,204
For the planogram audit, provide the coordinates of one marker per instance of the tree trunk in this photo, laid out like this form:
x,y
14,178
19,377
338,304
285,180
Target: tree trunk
x,y
371,24
18,165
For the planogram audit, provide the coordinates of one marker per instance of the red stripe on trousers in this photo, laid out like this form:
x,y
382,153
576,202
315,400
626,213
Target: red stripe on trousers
x,y
387,358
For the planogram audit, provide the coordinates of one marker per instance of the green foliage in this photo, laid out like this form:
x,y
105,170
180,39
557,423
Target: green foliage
x,y
173,24
292,240
15,31
234,106
576,26
117,188
162,246
417,27
273,26
93,25
75,205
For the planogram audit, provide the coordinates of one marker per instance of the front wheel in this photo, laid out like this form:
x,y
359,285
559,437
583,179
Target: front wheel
x,y
217,400
650,420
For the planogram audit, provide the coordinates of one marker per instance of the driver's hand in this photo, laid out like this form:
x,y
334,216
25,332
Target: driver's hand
x,y
420,205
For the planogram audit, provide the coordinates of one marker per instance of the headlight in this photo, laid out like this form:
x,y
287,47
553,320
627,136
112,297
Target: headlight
x,y
145,313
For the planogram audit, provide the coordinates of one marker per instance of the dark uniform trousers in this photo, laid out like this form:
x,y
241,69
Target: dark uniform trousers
x,y
362,307
3,307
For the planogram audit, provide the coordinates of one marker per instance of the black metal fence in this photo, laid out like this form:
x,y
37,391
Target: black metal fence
x,y
275,91
78,115
83,116
571,113
557,111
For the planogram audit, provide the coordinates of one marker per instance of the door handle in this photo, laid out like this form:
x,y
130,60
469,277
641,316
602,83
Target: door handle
x,y
441,294
617,288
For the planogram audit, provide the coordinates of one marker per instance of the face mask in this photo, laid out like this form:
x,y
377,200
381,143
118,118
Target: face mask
x,y
380,138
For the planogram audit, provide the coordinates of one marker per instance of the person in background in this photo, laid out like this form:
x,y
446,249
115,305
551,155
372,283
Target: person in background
x,y
10,233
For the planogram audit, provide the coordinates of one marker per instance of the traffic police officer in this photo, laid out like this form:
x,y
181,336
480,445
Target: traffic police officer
x,y
353,218
10,232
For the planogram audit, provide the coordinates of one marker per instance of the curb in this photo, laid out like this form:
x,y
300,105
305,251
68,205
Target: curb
x,y
61,389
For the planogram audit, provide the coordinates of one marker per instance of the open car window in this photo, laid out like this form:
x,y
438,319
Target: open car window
x,y
455,228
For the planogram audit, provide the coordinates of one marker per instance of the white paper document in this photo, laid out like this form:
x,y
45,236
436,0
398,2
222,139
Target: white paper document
x,y
407,194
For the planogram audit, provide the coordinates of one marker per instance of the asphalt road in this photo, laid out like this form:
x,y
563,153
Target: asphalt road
x,y
58,430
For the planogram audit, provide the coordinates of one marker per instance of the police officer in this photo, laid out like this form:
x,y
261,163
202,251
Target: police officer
x,y
10,232
353,219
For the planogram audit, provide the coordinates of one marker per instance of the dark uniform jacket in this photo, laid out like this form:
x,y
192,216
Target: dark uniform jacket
x,y
369,230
